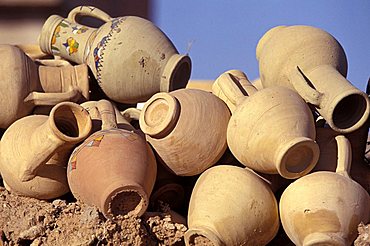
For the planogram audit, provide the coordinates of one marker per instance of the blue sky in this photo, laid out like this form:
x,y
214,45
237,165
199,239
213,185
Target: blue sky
x,y
224,34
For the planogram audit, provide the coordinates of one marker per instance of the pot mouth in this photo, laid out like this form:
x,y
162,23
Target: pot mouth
x,y
176,73
125,200
47,32
297,158
159,115
350,112
70,121
171,193
201,236
318,239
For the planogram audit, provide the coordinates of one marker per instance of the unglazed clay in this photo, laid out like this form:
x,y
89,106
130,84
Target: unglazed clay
x,y
35,150
325,208
114,169
130,57
186,128
312,62
360,170
232,206
270,131
205,85
26,84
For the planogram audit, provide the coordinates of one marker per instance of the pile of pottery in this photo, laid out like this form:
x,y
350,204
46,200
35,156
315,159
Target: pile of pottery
x,y
302,120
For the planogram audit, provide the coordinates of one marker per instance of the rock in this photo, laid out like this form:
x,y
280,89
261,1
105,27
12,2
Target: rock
x,y
32,233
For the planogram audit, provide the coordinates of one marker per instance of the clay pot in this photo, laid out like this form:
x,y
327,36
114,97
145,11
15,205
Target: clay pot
x,y
257,83
271,131
231,206
114,169
36,148
312,62
33,51
205,85
325,208
122,121
187,129
130,57
167,189
360,170
26,84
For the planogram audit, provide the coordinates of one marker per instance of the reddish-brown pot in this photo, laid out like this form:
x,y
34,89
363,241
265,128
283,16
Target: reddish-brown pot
x,y
114,169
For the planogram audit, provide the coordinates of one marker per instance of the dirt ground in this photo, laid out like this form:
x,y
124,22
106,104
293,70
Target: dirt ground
x,y
28,221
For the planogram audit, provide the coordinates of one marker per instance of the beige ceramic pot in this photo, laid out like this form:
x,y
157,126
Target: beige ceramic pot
x,y
270,131
325,208
360,170
114,169
35,150
205,85
26,84
231,206
130,57
187,129
312,62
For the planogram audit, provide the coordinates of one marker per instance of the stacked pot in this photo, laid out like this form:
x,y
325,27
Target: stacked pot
x,y
293,132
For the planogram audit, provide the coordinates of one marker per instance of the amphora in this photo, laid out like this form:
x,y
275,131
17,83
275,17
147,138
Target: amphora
x,y
312,62
35,150
186,128
113,169
26,84
270,131
325,208
130,57
231,206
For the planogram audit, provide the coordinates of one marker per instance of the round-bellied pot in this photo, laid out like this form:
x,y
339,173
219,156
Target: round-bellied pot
x,y
312,62
35,150
130,57
113,169
270,131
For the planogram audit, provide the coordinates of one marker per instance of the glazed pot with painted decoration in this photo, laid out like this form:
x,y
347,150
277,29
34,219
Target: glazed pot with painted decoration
x,y
130,57
186,128
325,208
114,169
271,131
231,205
26,84
312,62
35,150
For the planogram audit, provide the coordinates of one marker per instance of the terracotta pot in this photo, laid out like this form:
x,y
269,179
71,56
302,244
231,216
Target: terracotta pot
x,y
325,208
360,170
271,131
114,169
231,206
130,57
312,62
26,84
187,129
36,148
167,189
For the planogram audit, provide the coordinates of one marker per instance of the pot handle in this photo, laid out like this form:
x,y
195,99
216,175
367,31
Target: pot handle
x,y
344,156
232,87
107,114
53,62
49,99
88,11
300,84
131,114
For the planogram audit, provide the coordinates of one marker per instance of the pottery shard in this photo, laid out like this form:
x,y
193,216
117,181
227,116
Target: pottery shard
x,y
32,233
